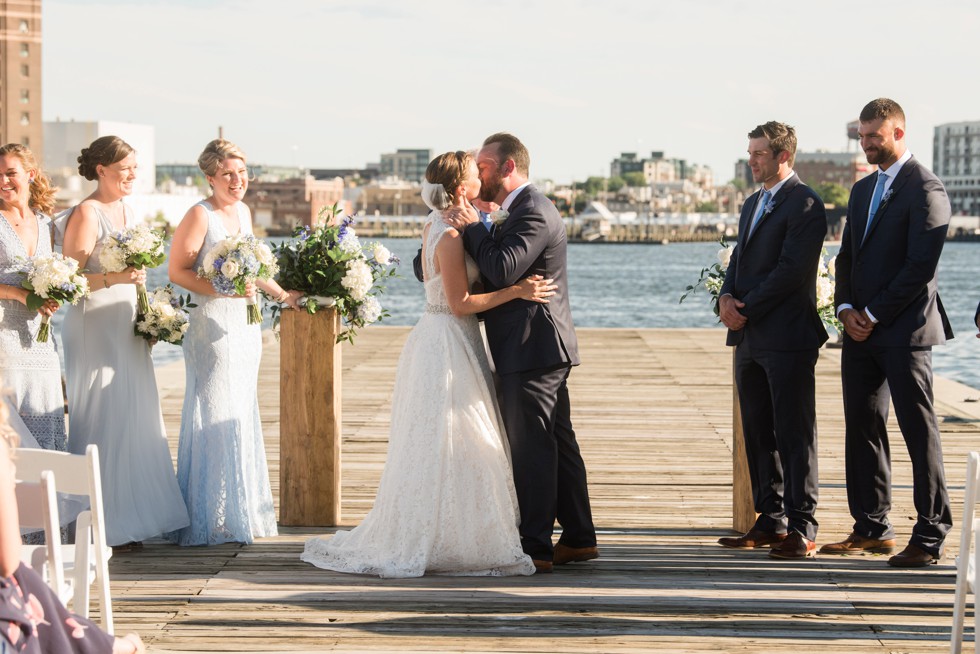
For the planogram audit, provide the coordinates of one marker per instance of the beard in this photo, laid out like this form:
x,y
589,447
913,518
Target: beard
x,y
877,155
490,188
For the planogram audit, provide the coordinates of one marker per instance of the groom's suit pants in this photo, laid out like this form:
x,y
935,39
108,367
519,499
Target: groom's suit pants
x,y
549,473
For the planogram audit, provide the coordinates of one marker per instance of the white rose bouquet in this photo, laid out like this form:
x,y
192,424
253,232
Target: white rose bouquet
x,y
825,292
52,277
235,262
330,265
713,276
166,318
139,247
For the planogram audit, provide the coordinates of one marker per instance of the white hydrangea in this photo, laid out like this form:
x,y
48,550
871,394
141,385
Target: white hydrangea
x,y
358,280
350,242
825,292
370,310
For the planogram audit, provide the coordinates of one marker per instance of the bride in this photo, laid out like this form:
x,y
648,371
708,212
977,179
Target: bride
x,y
446,503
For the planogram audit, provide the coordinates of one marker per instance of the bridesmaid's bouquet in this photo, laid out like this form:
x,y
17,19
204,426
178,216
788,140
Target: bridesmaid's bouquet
x,y
52,277
235,262
330,265
139,247
166,318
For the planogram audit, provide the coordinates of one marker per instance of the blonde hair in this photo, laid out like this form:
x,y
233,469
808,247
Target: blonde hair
x,y
215,152
450,170
42,193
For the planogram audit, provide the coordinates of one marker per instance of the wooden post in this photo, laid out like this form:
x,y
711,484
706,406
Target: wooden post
x,y
309,419
743,508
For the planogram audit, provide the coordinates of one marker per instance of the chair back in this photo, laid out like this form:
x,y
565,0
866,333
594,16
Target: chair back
x,y
966,572
37,508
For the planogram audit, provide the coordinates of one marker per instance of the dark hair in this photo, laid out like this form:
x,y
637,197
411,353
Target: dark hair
x,y
510,147
103,151
42,193
450,170
782,138
882,108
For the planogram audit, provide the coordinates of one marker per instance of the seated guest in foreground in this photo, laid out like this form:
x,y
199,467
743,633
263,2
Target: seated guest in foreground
x,y
32,619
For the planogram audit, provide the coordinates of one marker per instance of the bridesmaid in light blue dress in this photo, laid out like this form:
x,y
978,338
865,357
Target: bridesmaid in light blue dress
x,y
112,391
221,463
29,371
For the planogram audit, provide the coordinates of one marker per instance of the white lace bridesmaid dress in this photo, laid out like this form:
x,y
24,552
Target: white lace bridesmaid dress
x,y
221,463
446,503
113,402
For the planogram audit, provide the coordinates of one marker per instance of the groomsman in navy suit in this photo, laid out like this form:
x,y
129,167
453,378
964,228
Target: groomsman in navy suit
x,y
887,299
769,304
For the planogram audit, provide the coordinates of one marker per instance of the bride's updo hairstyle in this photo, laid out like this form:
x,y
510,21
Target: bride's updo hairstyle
x,y
449,169
103,151
215,152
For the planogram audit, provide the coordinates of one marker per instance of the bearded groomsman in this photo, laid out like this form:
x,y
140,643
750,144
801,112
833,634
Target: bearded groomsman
x,y
887,299
768,302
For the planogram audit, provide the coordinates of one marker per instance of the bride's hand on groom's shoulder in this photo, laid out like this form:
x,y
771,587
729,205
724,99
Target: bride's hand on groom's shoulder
x,y
460,217
536,288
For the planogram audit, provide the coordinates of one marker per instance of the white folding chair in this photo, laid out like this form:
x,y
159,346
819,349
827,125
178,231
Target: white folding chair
x,y
37,508
966,565
87,560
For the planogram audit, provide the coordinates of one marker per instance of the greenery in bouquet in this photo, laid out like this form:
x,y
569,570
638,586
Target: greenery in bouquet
x,y
166,318
825,293
713,276
138,247
330,266
236,261
52,277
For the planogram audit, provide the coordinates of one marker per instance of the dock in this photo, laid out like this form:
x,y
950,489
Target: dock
x,y
653,412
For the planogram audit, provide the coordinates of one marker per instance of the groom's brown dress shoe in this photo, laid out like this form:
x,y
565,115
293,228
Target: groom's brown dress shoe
x,y
794,546
565,554
751,539
542,566
912,557
856,544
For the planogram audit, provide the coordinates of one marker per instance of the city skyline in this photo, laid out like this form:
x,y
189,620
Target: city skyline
x,y
335,84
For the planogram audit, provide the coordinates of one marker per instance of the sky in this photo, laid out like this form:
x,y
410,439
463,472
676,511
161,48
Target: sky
x,y
335,83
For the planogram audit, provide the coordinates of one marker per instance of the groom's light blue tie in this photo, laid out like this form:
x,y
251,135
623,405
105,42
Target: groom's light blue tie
x,y
763,202
875,202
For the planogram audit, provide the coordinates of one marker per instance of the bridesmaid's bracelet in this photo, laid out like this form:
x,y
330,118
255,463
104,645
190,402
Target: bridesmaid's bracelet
x,y
283,296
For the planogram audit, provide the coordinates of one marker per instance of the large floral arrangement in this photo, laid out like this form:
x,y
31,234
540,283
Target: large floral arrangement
x,y
166,318
331,267
235,262
52,277
139,247
713,277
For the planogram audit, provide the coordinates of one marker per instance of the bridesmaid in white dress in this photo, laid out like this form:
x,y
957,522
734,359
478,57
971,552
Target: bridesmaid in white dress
x,y
30,370
112,391
221,463
446,503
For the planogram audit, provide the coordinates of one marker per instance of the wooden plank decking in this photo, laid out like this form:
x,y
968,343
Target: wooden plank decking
x,y
652,409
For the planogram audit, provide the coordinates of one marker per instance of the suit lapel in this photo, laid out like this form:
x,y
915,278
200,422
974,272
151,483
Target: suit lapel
x,y
513,212
900,180
745,221
776,200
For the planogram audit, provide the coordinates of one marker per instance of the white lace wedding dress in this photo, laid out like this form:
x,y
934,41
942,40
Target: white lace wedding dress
x,y
446,502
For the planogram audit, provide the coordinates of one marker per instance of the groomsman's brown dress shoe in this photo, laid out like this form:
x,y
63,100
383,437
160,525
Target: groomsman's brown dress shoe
x,y
565,554
751,539
541,567
912,557
794,546
856,544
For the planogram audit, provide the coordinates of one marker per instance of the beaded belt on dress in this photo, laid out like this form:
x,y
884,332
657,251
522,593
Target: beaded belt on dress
x,y
437,308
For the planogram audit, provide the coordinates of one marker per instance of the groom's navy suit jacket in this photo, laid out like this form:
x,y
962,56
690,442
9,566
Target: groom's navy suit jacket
x,y
524,335
893,272
774,272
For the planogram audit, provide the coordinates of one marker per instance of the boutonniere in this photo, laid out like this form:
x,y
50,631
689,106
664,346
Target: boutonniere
x,y
499,216
769,207
887,196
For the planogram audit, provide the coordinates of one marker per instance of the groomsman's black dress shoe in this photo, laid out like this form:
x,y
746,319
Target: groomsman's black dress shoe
x,y
856,544
541,567
794,546
751,539
565,554
912,557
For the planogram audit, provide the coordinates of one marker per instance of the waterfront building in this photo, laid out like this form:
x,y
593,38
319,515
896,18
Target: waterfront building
x,y
843,168
278,207
20,74
405,164
659,169
956,160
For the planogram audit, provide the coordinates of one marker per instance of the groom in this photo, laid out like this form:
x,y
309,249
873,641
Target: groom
x,y
533,348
